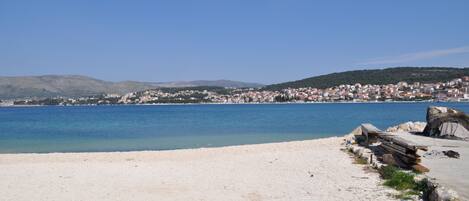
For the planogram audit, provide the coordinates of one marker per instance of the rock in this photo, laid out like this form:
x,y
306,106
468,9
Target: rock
x,y
446,123
443,194
404,126
357,150
451,154
436,192
419,126
420,177
356,131
389,159
348,139
416,127
453,130
392,129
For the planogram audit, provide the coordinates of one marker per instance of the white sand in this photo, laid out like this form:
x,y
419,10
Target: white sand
x,y
277,171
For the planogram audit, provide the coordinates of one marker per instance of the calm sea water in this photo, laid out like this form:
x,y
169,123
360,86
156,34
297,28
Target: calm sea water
x,y
162,127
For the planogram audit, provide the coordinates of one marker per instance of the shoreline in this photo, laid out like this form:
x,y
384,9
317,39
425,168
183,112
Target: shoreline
x,y
273,103
298,170
241,146
170,150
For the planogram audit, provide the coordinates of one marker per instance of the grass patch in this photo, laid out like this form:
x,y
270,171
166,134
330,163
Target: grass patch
x,y
407,195
403,182
359,160
387,172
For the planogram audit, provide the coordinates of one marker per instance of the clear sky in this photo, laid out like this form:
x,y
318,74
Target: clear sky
x,y
250,40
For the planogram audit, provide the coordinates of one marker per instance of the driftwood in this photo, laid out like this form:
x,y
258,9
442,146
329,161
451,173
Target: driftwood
x,y
401,142
420,168
370,132
397,150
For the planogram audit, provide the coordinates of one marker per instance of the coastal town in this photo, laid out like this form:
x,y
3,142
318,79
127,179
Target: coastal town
x,y
456,90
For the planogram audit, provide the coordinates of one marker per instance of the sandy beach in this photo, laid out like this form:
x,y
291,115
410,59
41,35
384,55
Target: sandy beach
x,y
301,170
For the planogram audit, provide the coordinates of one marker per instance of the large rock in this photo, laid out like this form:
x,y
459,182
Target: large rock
x,y
440,193
446,123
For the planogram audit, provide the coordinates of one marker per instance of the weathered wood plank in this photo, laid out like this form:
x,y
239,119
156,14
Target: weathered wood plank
x,y
392,159
420,168
408,159
371,130
402,142
396,146
368,128
395,151
403,151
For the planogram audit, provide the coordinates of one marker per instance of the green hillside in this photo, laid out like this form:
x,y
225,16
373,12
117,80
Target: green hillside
x,y
377,76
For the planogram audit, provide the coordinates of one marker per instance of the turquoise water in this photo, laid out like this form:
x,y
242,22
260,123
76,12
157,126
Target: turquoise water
x,y
163,127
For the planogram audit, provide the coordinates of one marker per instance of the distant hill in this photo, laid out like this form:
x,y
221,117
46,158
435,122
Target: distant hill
x,y
62,85
377,76
78,86
213,83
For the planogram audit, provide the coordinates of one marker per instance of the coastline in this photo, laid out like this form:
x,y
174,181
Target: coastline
x,y
297,170
267,103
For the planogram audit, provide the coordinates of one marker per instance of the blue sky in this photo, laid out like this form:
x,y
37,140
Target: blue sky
x,y
258,41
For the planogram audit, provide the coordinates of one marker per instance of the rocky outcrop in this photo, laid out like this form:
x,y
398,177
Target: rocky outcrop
x,y
414,127
446,123
440,193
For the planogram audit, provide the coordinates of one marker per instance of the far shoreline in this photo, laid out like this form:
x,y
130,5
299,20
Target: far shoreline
x,y
273,103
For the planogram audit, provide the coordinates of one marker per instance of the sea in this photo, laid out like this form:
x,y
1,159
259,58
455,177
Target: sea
x,y
47,129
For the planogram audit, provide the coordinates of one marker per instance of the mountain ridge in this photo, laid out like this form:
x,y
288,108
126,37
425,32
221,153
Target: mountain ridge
x,y
12,87
217,83
376,76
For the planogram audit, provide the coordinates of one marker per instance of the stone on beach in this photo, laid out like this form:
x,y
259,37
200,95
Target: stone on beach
x,y
451,154
415,127
446,122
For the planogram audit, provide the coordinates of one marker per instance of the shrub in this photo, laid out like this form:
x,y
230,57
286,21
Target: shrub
x,y
402,181
387,172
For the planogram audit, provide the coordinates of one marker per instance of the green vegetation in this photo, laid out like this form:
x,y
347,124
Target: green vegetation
x,y
402,181
377,76
360,160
